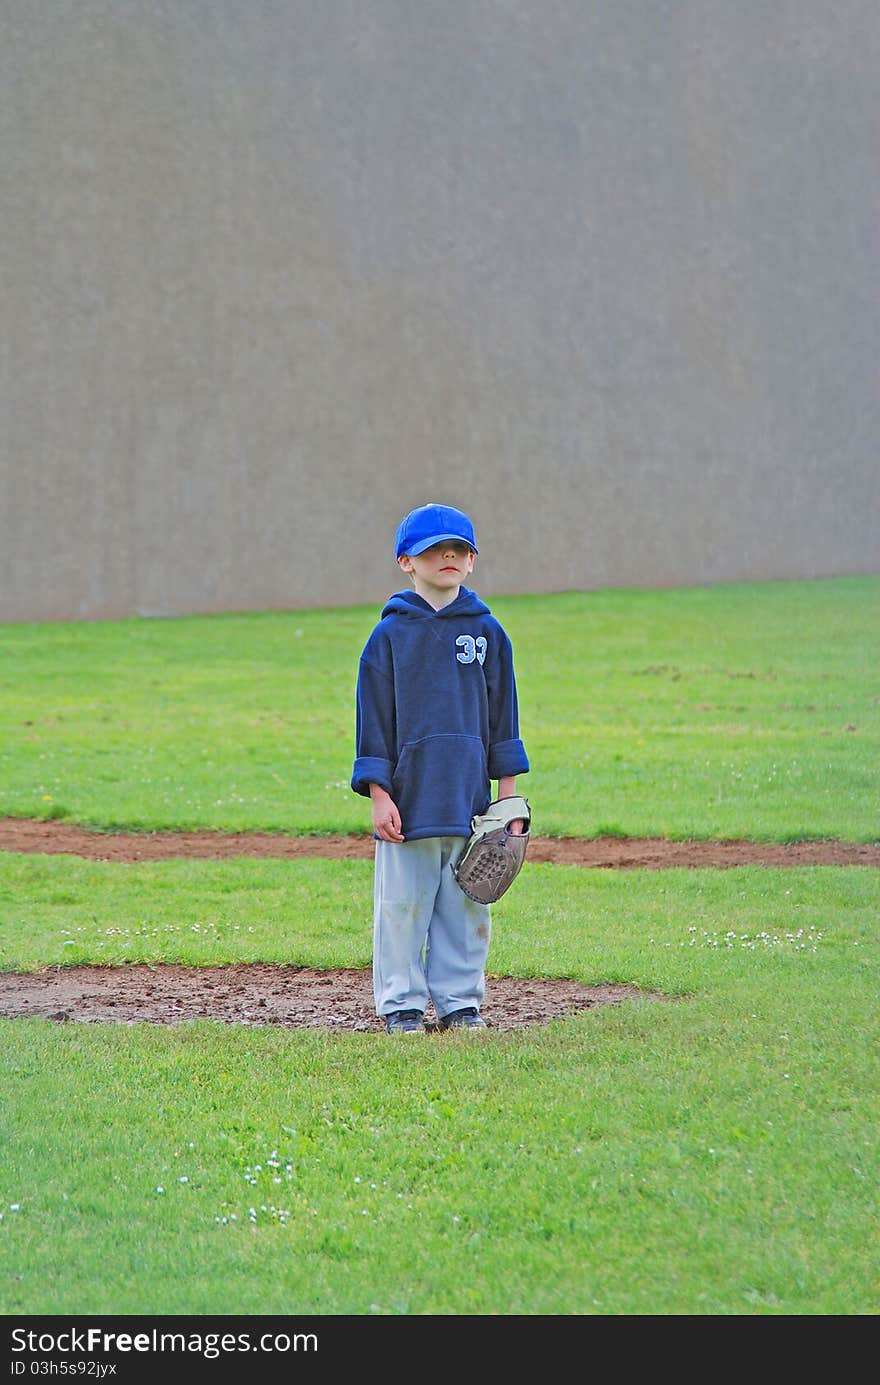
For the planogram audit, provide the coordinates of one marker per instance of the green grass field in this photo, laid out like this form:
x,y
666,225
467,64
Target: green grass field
x,y
739,711
710,1153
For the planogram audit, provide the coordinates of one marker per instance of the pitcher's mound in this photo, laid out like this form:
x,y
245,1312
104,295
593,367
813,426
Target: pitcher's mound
x,y
258,994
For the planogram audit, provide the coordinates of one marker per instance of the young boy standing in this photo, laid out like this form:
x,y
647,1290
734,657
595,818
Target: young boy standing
x,y
437,719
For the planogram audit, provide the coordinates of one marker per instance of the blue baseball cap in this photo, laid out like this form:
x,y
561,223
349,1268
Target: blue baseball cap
x,y
431,524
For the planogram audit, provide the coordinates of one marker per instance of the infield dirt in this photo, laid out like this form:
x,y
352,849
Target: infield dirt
x,y
619,853
341,999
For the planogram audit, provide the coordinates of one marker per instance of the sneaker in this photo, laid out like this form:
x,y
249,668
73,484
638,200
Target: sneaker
x,y
463,1019
405,1022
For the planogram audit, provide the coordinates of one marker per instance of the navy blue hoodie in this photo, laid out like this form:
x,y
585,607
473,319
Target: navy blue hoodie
x,y
437,714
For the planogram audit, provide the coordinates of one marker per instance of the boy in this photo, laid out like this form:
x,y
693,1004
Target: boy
x,y
437,719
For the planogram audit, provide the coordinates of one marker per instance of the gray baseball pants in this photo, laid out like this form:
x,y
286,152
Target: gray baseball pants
x,y
430,941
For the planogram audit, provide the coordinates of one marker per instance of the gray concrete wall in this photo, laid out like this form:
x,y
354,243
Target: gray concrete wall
x,y
274,271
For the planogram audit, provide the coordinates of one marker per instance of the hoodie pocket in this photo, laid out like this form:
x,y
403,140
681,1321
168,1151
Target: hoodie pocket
x,y
440,782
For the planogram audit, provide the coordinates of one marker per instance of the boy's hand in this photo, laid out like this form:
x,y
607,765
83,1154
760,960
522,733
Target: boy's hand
x,y
386,818
507,789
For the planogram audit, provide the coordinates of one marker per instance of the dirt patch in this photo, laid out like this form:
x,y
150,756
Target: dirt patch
x,y
615,853
254,994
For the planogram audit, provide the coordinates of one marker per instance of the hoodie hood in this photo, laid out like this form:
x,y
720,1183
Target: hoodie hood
x,y
409,603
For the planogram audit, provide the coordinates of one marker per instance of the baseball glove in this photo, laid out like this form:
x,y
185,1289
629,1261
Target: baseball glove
x,y
493,856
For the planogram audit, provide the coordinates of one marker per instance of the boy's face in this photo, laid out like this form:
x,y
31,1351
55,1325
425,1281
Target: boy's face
x,y
440,570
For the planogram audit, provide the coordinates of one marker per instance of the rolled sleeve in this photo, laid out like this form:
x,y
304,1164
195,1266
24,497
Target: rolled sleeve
x,y
507,758
371,769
